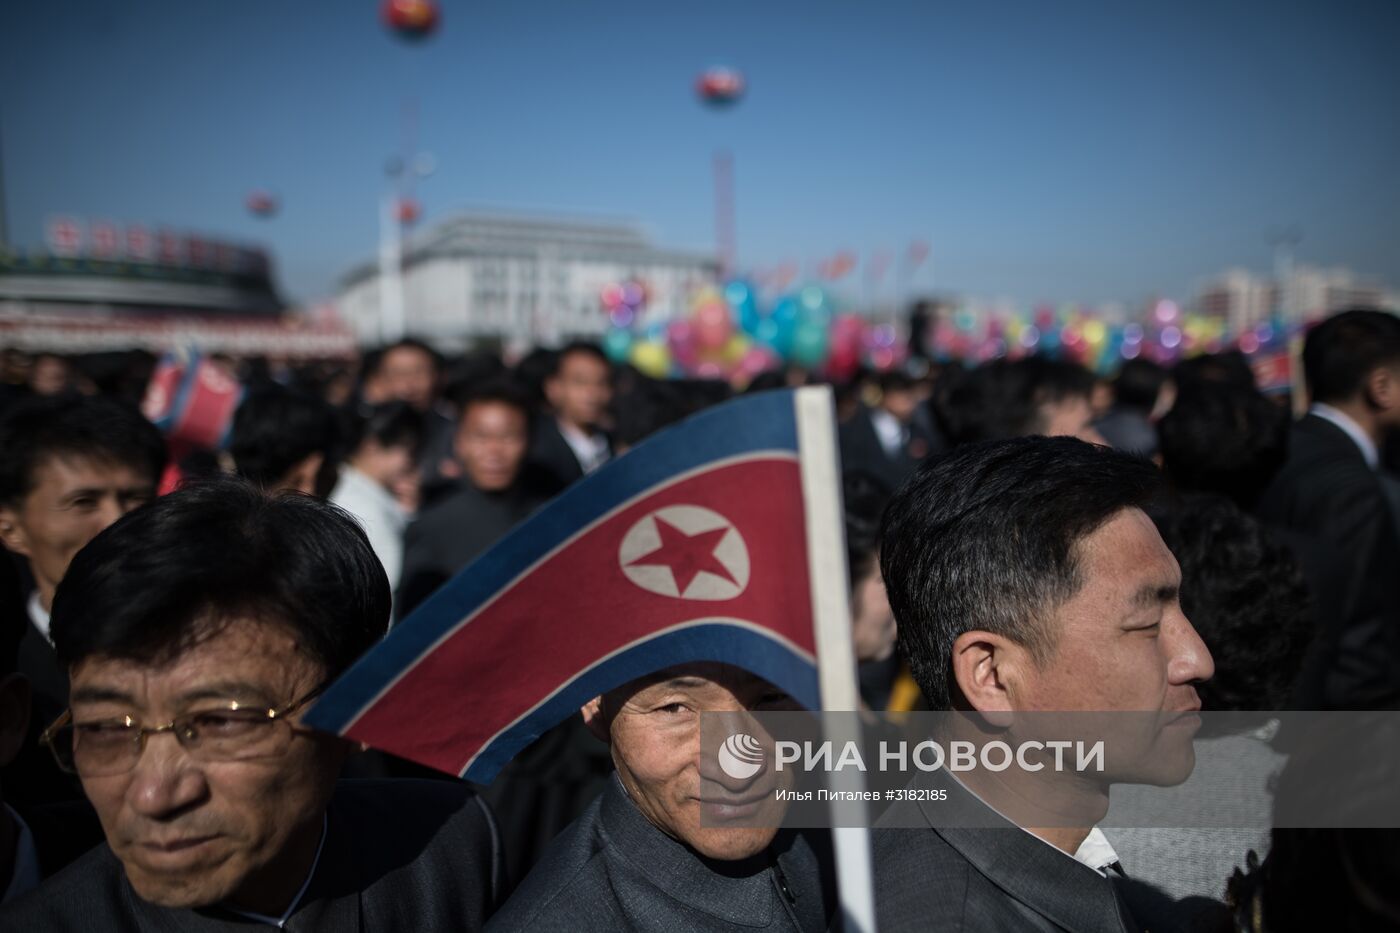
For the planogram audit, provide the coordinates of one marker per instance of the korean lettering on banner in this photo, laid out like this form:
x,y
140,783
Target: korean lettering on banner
x,y
64,236
138,243
106,239
169,248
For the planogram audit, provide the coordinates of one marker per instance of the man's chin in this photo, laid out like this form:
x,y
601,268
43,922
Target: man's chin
x,y
730,844
179,893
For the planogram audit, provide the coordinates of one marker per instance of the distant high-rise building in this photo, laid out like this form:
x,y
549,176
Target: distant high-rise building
x,y
1306,294
1241,298
521,280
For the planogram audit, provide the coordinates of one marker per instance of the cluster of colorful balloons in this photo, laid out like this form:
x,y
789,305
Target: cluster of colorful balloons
x,y
727,335
1164,334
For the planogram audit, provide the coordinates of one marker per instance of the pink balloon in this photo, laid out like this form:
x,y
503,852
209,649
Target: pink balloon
x,y
681,337
712,326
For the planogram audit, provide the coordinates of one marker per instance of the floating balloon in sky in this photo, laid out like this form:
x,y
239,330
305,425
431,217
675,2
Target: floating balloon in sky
x,y
411,19
409,211
720,87
261,203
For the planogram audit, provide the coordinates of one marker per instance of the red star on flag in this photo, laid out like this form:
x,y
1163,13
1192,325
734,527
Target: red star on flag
x,y
687,556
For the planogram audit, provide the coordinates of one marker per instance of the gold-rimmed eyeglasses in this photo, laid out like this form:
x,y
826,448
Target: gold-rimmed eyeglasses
x,y
230,731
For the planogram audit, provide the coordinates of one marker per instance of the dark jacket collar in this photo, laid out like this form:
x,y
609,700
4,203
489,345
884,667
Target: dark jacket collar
x,y
1030,870
742,893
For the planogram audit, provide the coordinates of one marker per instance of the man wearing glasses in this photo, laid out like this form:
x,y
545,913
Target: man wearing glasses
x,y
195,632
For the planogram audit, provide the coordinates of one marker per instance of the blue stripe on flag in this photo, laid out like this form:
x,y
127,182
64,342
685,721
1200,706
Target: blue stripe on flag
x,y
754,651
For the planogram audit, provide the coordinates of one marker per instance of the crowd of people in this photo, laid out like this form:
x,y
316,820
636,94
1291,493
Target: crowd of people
x,y
1021,536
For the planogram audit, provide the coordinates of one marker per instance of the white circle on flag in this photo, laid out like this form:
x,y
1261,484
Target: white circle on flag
x,y
686,552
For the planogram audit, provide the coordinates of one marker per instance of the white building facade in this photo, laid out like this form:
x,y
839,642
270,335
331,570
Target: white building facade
x,y
521,281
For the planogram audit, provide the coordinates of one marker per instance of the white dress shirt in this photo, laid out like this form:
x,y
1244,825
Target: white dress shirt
x,y
591,450
381,516
39,616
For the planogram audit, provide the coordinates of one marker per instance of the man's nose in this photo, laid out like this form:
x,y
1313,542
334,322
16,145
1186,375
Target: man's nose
x,y
164,780
1190,660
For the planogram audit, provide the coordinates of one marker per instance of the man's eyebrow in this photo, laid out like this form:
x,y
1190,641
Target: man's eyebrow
x,y
235,690
1155,594
85,491
685,683
100,695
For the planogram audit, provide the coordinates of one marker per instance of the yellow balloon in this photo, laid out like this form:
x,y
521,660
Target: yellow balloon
x,y
651,358
735,348
1095,332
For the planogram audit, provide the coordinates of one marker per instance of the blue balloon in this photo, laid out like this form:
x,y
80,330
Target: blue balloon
x,y
617,343
744,306
809,344
785,319
815,307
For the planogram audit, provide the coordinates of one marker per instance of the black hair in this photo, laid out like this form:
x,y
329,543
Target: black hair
x,y
214,553
392,424
1341,352
1246,597
894,380
275,428
578,346
1224,438
647,406
1229,367
985,538
1138,384
404,343
533,369
103,430
502,390
1006,398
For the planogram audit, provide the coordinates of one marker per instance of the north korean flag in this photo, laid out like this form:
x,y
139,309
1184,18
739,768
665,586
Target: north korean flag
x,y
719,539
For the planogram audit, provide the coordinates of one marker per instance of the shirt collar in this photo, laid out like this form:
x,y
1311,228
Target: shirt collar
x,y
1095,851
39,616
1353,430
26,874
591,450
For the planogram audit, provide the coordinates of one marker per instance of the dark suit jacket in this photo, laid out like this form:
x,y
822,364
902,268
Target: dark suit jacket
x,y
961,880
612,870
861,449
398,855
33,777
452,533
550,466
1326,490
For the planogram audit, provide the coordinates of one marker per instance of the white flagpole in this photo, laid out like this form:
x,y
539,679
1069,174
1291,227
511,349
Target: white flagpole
x,y
836,662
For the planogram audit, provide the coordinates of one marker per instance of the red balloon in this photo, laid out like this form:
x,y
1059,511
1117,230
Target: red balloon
x,y
720,87
411,19
262,203
409,211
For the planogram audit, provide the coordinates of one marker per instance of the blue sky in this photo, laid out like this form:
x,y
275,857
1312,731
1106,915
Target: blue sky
x,y
1066,151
